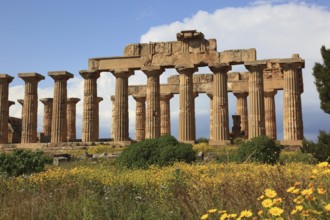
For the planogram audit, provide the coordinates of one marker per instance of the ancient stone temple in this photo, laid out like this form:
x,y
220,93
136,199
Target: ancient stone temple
x,y
255,91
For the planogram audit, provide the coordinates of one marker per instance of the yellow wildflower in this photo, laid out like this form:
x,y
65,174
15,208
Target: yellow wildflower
x,y
261,197
212,210
279,218
222,211
260,212
298,200
277,200
315,171
299,207
321,190
290,189
270,193
307,192
276,211
327,208
246,213
296,191
233,215
224,216
322,165
267,203
305,213
205,216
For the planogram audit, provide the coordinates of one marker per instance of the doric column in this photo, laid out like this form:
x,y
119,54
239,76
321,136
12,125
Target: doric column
x,y
47,119
121,105
97,119
256,110
186,114
4,113
71,118
292,114
114,117
21,101
270,114
89,106
195,95
30,107
220,135
165,114
59,123
153,102
211,115
140,120
242,110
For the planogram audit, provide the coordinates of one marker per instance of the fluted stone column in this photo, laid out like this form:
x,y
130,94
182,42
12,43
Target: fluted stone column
x,y
97,119
292,116
242,110
220,135
4,113
186,114
47,119
153,102
256,110
121,106
89,107
270,114
165,114
195,95
140,120
71,118
59,123
113,117
211,115
30,107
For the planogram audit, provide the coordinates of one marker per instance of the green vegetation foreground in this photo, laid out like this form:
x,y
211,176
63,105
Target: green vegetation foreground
x,y
180,191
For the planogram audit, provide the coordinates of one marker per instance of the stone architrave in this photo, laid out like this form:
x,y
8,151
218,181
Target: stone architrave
x,y
270,114
47,119
59,123
256,106
121,105
220,133
186,113
97,119
89,107
140,119
292,116
113,117
211,115
153,102
242,110
30,107
4,109
165,114
71,118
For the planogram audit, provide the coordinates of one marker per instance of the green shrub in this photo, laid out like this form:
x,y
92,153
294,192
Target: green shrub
x,y
162,151
321,149
259,149
21,162
202,140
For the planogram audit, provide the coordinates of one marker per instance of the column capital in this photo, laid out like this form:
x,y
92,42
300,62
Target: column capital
x,y
270,93
122,72
31,77
87,74
10,103
46,100
166,96
20,101
240,94
6,78
154,70
186,69
140,98
60,75
73,100
256,66
99,99
220,68
210,95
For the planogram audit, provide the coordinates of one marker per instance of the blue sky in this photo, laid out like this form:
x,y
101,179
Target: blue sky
x,y
41,36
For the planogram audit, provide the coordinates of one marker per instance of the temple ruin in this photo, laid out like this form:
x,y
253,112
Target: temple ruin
x,y
254,90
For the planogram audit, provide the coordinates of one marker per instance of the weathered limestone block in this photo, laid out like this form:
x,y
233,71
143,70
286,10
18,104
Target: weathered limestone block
x,y
220,133
153,102
47,118
186,114
256,109
270,114
114,117
4,109
30,107
242,110
89,107
71,118
165,114
59,123
140,121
